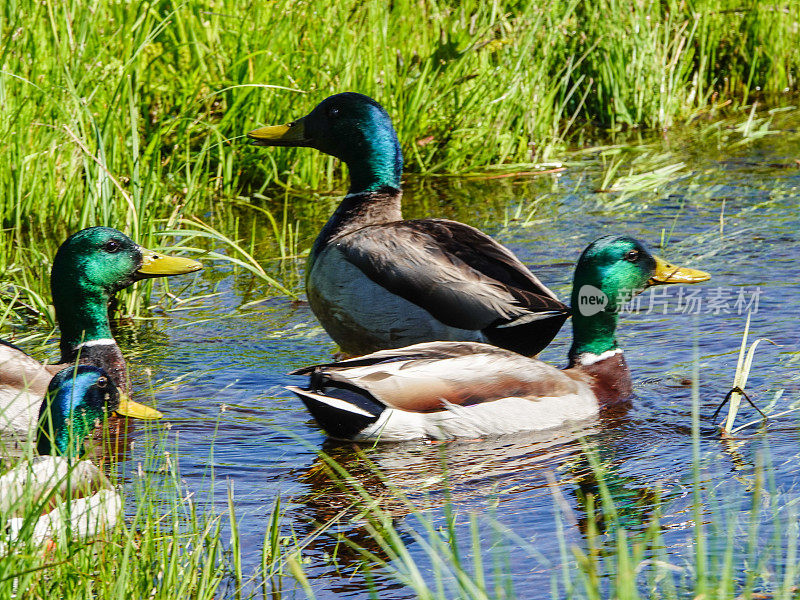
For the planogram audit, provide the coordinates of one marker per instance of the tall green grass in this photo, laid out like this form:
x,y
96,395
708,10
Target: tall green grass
x,y
131,114
166,548
745,548
170,543
658,62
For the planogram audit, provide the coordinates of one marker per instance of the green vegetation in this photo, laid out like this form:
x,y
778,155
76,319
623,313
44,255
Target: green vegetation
x,y
744,364
130,114
170,545
173,545
164,549
744,548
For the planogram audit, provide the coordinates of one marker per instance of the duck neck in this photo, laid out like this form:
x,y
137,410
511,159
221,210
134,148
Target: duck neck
x,y
375,162
86,336
68,437
595,353
595,334
82,316
62,430
359,210
378,165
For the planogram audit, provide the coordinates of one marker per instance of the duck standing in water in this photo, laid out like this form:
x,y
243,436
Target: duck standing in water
x,y
443,390
75,495
376,281
89,268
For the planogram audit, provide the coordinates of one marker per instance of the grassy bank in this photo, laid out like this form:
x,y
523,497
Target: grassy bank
x,y
132,114
128,113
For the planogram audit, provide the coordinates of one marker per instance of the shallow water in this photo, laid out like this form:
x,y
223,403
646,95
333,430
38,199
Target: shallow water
x,y
218,373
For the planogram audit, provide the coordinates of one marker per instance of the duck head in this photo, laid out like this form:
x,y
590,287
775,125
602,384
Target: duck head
x,y
89,268
78,399
609,272
352,127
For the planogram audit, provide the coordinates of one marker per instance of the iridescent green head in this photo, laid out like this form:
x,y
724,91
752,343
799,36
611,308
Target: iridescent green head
x,y
351,127
615,265
89,268
78,399
609,272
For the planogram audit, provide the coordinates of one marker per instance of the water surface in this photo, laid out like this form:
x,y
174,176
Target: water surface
x,y
219,371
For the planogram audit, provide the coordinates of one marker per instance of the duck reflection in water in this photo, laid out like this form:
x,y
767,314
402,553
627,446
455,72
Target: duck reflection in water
x,y
532,476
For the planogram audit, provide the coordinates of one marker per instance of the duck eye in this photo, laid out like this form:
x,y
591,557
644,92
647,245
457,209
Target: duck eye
x,y
112,246
333,112
102,382
632,255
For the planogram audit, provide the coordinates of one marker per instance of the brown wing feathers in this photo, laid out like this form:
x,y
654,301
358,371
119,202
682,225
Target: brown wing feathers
x,y
418,382
461,276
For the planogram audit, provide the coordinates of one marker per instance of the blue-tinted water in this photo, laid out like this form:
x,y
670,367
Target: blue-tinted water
x,y
218,372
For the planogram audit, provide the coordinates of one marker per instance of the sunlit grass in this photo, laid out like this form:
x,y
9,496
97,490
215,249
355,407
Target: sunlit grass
x,y
166,548
132,114
171,542
731,547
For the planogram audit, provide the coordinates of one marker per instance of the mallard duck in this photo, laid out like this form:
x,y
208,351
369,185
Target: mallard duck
x,y
376,281
75,494
443,390
88,269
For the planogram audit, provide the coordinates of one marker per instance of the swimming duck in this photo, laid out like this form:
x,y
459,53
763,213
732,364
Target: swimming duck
x,y
376,281
88,269
77,496
443,390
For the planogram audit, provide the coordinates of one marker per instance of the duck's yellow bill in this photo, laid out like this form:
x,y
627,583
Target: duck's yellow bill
x,y
291,134
161,265
134,410
667,273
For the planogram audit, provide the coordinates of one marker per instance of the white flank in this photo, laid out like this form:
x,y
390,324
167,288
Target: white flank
x,y
498,417
340,289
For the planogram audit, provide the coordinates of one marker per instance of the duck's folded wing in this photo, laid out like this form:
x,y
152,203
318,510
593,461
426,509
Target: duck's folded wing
x,y
424,351
459,275
427,377
483,253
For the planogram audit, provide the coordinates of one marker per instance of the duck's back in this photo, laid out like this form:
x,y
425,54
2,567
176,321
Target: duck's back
x,y
443,390
421,378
